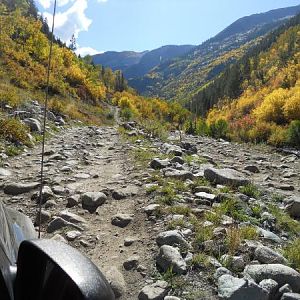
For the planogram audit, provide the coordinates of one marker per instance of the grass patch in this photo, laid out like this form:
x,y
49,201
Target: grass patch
x,y
292,253
174,224
180,210
250,190
143,156
284,221
248,233
200,260
13,150
203,234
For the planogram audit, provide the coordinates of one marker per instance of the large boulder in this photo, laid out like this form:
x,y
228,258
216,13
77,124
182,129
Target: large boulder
x,y
290,296
278,272
19,188
225,176
266,255
232,288
170,257
92,200
293,206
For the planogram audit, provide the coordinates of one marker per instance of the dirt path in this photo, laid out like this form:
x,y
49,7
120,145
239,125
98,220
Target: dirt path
x,y
87,159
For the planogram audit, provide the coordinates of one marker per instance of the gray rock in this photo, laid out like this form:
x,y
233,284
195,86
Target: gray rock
x,y
290,296
119,195
225,176
92,200
236,263
206,196
73,201
268,235
172,149
266,255
19,188
60,121
33,124
221,271
158,164
170,257
121,220
252,169
72,235
171,298
271,286
46,195
71,217
178,160
232,288
45,217
131,263
58,190
179,174
151,209
280,273
285,289
59,223
171,238
155,291
116,281
293,207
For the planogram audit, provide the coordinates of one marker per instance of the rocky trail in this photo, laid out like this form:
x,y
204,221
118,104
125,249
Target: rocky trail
x,y
137,208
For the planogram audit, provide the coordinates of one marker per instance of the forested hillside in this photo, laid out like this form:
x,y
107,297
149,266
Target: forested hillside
x,y
78,89
180,78
259,96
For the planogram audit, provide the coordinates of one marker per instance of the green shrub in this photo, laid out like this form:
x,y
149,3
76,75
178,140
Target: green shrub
x,y
202,128
219,129
294,133
14,131
126,114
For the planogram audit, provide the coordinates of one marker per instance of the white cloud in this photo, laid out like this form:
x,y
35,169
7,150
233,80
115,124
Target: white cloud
x,y
83,51
101,1
72,21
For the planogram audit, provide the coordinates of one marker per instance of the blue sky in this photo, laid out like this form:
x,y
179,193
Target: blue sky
x,y
103,25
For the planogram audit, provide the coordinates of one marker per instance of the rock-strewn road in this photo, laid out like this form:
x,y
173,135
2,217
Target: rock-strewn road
x,y
79,161
95,198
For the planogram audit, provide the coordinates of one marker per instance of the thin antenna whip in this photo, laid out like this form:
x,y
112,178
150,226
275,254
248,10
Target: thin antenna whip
x,y
44,121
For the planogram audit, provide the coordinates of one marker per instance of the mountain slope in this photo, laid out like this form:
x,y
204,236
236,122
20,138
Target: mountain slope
x,y
259,96
181,77
136,64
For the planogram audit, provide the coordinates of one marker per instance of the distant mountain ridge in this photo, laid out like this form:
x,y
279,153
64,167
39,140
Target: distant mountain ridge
x,y
136,64
181,77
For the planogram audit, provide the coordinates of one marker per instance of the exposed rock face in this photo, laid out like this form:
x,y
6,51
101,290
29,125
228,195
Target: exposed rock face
x,y
232,288
171,257
155,291
19,188
280,273
225,176
179,174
